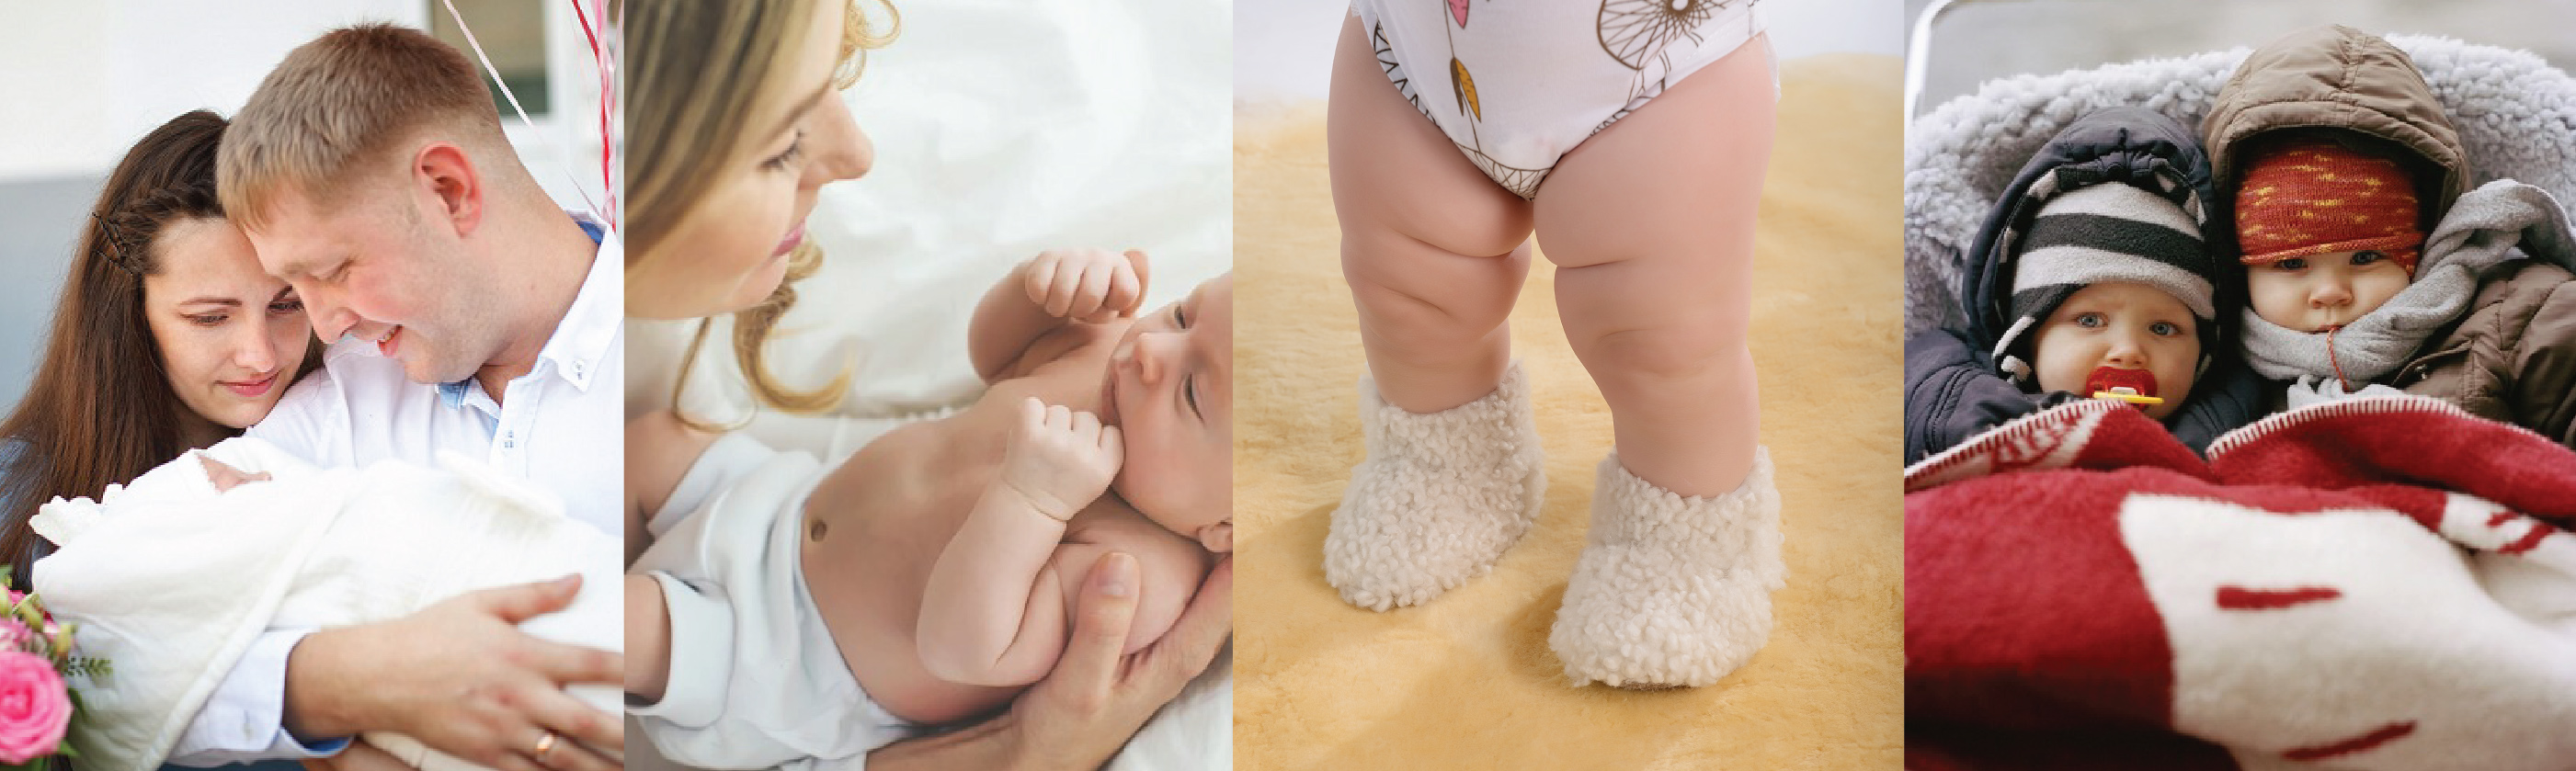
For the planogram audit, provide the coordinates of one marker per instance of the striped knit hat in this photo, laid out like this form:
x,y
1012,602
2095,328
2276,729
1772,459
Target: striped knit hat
x,y
2310,196
2109,232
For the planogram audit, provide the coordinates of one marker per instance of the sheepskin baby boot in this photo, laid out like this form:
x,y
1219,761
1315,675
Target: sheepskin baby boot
x,y
1671,591
1439,498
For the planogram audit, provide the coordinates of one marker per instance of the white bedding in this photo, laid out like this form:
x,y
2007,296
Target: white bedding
x,y
1002,128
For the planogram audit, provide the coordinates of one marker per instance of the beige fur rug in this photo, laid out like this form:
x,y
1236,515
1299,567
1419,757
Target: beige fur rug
x,y
1467,680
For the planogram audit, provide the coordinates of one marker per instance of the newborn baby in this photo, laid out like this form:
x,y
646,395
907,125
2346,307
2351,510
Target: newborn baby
x,y
814,615
171,575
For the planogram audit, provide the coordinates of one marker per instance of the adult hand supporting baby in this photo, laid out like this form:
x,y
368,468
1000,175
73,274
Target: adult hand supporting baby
x,y
460,677
1096,699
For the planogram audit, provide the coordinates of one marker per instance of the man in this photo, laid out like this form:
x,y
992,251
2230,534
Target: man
x,y
371,173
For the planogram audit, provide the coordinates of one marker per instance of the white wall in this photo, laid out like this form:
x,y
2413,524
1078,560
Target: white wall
x,y
81,81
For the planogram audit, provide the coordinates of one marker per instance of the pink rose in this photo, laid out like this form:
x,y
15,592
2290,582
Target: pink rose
x,y
34,710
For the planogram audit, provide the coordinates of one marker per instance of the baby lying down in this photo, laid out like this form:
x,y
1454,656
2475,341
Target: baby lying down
x,y
813,615
171,576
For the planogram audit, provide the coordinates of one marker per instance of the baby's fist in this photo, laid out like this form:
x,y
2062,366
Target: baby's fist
x,y
1087,285
1060,460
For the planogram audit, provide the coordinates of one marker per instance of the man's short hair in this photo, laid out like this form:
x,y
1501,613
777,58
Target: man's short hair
x,y
341,101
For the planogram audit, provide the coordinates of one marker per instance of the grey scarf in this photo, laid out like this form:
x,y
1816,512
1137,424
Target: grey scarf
x,y
2499,221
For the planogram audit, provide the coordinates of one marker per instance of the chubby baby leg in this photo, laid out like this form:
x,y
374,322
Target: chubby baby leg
x,y
1434,251
1651,225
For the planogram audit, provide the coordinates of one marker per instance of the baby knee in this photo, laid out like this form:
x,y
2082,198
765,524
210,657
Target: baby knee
x,y
1664,352
1425,314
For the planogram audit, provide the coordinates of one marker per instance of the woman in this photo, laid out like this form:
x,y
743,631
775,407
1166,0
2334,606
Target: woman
x,y
735,127
168,338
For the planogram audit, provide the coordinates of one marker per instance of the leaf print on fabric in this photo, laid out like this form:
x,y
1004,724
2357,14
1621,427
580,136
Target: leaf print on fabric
x,y
1466,88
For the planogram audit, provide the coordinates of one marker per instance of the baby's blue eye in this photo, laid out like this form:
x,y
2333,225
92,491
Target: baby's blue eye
x,y
2089,320
2293,263
2165,328
2367,256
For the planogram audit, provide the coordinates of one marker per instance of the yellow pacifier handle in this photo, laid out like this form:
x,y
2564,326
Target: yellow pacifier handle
x,y
2127,394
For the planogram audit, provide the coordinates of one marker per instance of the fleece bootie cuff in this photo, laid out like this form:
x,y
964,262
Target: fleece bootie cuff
x,y
1439,498
1671,591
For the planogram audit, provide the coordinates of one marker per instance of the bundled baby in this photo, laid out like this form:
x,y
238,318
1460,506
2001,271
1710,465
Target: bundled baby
x,y
2091,279
2114,299
813,614
170,576
2369,265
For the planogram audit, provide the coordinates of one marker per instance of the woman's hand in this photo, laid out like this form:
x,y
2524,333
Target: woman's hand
x,y
1087,285
1096,699
460,677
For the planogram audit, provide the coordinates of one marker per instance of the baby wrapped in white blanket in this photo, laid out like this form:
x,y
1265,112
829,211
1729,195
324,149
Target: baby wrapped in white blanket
x,y
171,580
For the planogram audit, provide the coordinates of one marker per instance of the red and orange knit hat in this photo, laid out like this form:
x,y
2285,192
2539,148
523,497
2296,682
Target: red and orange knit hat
x,y
2312,195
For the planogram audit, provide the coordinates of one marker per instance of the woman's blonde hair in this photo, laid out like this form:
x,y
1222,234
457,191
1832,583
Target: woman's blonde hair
x,y
696,70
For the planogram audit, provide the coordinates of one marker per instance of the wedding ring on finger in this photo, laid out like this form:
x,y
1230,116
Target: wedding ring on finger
x,y
545,744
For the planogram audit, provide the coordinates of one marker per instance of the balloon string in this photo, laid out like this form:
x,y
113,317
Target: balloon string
x,y
512,98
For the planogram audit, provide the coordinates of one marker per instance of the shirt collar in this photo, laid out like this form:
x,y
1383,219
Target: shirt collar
x,y
582,338
588,332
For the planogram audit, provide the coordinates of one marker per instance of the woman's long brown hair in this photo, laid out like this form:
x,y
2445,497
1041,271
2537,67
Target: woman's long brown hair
x,y
101,410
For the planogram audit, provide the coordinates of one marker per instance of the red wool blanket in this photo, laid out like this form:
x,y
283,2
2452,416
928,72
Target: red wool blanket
x,y
2375,583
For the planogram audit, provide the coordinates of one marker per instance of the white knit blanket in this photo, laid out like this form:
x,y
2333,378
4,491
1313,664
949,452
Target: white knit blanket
x,y
171,581
2516,116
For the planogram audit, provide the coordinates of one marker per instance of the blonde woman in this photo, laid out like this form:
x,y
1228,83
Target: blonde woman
x,y
736,124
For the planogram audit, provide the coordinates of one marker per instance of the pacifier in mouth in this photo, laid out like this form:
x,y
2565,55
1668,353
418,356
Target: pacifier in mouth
x,y
2137,387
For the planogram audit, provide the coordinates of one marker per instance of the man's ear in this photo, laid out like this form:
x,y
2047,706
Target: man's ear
x,y
444,173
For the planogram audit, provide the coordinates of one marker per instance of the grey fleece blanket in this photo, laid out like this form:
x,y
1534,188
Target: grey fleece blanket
x,y
2512,109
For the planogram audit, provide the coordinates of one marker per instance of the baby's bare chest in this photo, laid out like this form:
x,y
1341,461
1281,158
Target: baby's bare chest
x,y
894,504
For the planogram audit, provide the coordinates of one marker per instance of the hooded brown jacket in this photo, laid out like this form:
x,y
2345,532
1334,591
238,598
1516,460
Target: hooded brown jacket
x,y
2512,355
2334,77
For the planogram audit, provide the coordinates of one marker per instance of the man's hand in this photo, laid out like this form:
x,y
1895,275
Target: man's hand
x,y
460,677
1088,285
